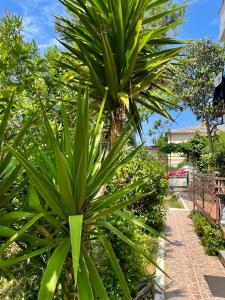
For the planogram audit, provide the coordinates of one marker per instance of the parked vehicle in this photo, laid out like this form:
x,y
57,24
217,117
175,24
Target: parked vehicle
x,y
178,173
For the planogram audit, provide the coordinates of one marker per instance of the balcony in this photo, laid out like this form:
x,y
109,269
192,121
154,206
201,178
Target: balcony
x,y
222,21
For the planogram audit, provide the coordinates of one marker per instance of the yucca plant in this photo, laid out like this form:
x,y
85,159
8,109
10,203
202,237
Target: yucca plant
x,y
9,168
117,44
67,214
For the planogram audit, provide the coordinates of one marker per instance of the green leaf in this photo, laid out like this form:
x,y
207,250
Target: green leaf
x,y
67,140
16,216
31,239
117,205
163,14
80,153
53,271
97,136
126,240
34,201
8,180
137,222
20,232
155,3
95,279
107,200
75,223
110,66
110,164
109,250
83,283
65,188
13,261
45,189
5,119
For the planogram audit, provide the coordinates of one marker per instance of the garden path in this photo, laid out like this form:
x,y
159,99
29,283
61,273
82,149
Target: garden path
x,y
187,264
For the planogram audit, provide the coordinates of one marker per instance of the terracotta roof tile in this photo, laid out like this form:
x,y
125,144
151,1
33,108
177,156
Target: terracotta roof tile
x,y
193,129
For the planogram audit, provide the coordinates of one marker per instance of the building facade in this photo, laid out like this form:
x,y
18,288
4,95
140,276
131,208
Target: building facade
x,y
185,135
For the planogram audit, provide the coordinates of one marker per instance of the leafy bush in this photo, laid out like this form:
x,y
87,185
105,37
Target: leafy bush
x,y
211,236
22,282
210,162
219,153
150,208
206,163
134,266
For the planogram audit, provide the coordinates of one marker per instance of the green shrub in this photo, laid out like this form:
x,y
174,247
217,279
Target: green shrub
x,y
211,236
21,281
206,163
149,208
200,222
219,153
213,161
134,266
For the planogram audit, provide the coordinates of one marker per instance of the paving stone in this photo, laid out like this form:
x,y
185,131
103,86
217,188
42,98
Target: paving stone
x,y
186,263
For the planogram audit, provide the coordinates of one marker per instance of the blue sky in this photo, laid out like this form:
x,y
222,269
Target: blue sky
x,y
38,18
202,20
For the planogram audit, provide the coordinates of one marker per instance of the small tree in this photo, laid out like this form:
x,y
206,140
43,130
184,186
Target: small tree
x,y
219,153
121,45
204,60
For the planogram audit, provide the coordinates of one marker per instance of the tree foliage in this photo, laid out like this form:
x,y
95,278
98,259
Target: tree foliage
x,y
203,60
118,45
217,160
31,76
192,149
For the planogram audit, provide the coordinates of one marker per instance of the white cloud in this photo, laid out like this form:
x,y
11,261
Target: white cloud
x,y
49,43
28,5
38,20
49,11
30,27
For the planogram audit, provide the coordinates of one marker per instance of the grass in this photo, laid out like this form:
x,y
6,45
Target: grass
x,y
172,201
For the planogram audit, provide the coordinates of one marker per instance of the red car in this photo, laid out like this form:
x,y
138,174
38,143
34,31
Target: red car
x,y
177,173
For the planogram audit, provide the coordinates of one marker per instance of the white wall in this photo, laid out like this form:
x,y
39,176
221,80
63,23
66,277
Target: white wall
x,y
174,159
180,138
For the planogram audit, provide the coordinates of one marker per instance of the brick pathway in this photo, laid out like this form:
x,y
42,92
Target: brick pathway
x,y
186,262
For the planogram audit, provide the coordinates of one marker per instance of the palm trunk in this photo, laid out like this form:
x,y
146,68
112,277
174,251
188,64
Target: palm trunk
x,y
209,134
116,124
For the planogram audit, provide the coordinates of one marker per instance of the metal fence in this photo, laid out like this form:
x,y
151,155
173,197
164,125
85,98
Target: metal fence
x,y
208,195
